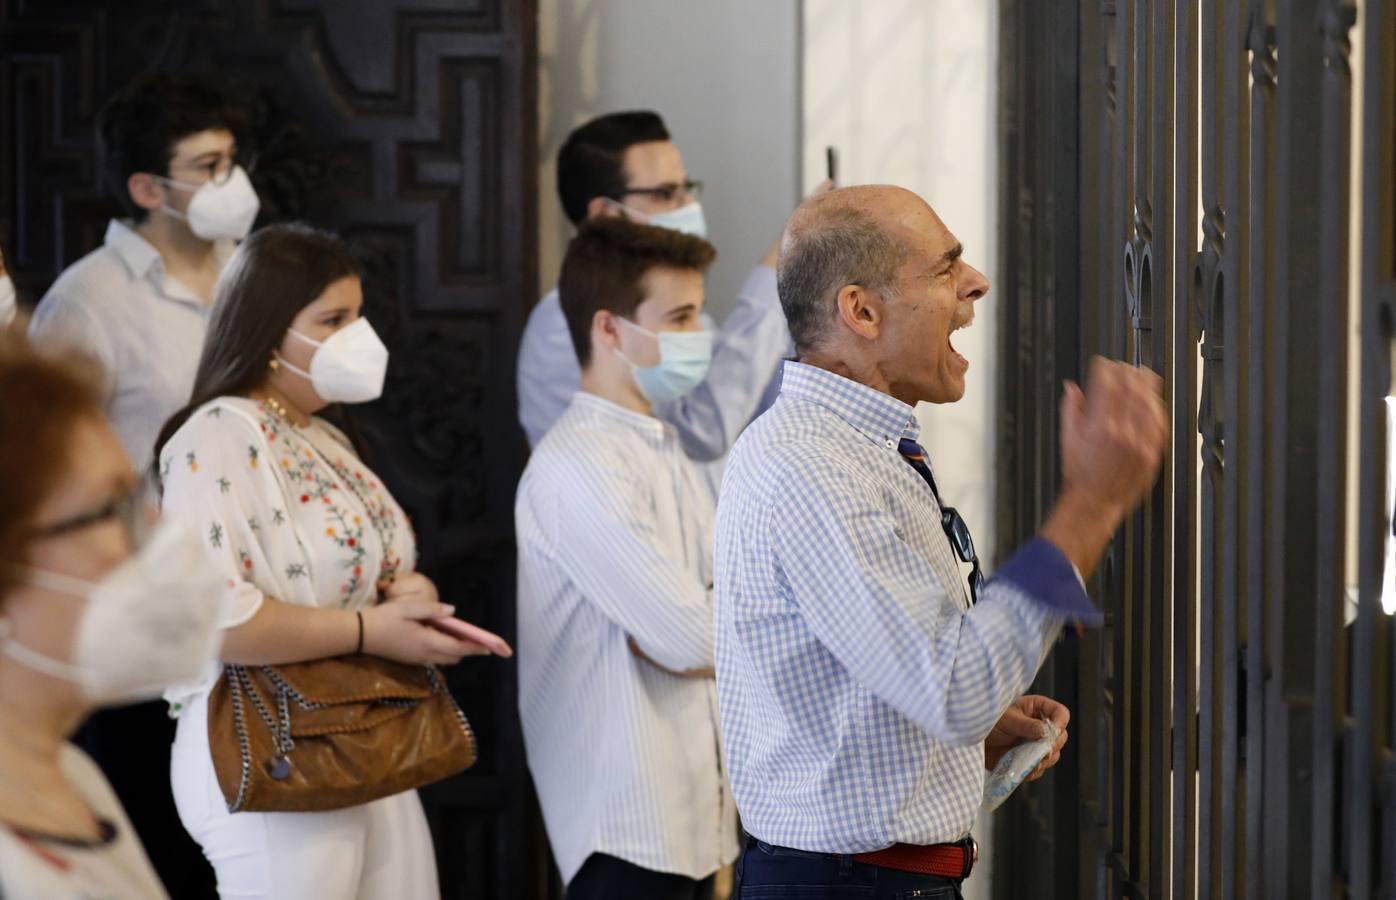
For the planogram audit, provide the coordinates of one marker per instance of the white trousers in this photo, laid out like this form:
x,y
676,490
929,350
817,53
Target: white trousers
x,y
378,851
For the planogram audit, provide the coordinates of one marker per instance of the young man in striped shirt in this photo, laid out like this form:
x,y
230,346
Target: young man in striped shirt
x,y
615,532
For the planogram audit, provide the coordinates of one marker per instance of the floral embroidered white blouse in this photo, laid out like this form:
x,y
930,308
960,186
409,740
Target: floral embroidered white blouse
x,y
288,512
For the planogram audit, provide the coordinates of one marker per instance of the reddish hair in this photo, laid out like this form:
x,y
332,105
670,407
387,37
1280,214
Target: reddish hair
x,y
42,395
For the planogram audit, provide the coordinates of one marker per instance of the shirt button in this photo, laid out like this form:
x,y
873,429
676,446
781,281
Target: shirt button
x,y
891,444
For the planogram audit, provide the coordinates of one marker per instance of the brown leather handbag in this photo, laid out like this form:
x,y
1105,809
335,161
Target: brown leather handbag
x,y
332,733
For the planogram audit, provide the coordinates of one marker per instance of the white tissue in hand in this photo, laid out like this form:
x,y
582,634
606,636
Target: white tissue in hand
x,y
1016,765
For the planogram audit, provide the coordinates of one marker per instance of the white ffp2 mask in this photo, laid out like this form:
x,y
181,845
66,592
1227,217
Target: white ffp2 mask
x,y
349,366
220,211
149,623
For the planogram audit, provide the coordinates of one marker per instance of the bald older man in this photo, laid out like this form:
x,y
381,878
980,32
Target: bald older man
x,y
863,690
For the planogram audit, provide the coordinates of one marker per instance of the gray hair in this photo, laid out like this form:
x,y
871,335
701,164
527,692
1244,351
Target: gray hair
x,y
819,258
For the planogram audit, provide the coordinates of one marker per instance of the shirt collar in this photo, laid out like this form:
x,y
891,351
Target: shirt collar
x,y
139,255
144,261
649,426
879,417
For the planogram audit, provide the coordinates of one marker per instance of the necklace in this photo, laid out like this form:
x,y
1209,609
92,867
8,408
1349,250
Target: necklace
x,y
280,410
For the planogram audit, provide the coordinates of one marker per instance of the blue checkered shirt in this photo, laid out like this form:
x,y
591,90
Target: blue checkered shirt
x,y
856,683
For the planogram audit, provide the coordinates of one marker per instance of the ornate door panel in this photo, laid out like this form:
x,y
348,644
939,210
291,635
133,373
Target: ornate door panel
x,y
409,127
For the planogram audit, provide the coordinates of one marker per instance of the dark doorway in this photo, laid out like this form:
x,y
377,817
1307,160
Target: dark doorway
x,y
409,127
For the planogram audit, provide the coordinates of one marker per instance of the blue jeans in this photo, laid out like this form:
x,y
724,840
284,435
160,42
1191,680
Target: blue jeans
x,y
765,872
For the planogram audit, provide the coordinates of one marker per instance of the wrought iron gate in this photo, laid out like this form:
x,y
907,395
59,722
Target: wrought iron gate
x,y
1179,191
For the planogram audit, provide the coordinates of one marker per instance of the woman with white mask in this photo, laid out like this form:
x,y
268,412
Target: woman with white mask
x,y
100,604
320,555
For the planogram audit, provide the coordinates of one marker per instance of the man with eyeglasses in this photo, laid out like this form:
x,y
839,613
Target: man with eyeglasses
x,y
139,305
863,691
626,164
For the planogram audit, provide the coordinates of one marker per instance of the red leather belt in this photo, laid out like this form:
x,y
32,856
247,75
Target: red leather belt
x,y
946,860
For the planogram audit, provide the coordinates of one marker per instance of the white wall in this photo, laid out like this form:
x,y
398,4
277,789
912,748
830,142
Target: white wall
x,y
907,91
724,74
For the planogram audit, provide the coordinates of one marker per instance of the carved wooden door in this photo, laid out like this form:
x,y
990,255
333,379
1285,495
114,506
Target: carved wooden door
x,y
408,125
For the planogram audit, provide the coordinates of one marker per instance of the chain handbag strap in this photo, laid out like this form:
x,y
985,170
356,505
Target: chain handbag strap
x,y
279,726
438,685
235,689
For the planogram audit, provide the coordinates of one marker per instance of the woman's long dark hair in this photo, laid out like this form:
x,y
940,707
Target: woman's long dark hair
x,y
278,271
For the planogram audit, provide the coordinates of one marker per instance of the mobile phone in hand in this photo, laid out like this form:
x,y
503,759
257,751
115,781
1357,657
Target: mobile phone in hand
x,y
457,628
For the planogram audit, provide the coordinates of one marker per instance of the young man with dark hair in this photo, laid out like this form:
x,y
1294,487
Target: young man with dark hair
x,y
139,304
625,165
614,528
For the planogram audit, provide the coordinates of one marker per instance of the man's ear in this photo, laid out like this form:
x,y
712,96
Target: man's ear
x,y
860,311
605,331
601,207
145,191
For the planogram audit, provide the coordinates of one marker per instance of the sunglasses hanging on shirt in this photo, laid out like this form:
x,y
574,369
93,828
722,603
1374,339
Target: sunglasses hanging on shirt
x,y
950,519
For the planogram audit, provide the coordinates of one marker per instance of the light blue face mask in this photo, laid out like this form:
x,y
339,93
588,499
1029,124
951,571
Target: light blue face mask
x,y
687,219
684,357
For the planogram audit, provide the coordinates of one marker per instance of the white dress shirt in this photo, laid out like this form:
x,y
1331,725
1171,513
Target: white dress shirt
x,y
857,683
615,541
145,329
746,356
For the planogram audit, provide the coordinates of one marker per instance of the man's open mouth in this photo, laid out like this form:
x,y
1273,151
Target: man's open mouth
x,y
958,355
